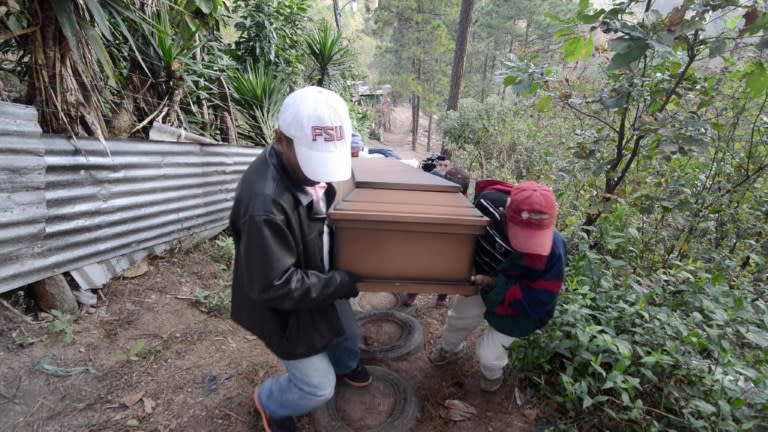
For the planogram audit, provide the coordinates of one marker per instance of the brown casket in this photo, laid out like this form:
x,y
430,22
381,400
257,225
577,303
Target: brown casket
x,y
402,229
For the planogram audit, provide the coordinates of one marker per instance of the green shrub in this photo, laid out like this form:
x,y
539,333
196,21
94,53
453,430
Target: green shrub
x,y
222,251
132,354
676,350
215,303
61,324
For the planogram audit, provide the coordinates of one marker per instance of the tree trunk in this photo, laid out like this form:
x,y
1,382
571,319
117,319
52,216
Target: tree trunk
x,y
337,15
226,115
527,32
66,89
484,78
45,53
227,127
415,102
510,50
206,118
122,121
429,135
460,53
177,91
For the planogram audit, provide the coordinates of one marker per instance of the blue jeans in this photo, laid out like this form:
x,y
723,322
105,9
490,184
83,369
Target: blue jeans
x,y
310,382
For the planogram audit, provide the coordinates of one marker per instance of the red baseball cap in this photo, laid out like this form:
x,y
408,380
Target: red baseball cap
x,y
531,215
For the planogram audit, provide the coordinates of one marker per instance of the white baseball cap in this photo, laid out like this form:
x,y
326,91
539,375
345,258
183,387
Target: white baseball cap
x,y
317,120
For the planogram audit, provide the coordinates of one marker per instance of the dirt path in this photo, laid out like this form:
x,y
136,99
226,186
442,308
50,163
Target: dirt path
x,y
399,138
196,371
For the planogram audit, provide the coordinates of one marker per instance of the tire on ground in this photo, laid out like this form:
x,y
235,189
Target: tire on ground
x,y
373,301
407,407
411,337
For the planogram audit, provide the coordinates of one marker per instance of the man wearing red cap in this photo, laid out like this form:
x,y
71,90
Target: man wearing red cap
x,y
519,265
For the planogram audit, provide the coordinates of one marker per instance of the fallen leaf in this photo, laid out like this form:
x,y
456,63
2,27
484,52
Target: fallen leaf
x,y
149,405
131,400
675,17
750,16
457,410
531,414
136,270
132,422
118,416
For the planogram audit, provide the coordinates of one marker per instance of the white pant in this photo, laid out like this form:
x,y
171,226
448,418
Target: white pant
x,y
463,318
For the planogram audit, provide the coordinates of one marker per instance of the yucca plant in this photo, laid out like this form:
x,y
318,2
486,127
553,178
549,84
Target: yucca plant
x,y
174,53
257,94
168,79
329,54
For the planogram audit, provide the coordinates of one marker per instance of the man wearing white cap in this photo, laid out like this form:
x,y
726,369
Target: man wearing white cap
x,y
282,288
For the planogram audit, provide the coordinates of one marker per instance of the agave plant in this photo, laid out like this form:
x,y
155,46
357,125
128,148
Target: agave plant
x,y
257,94
329,54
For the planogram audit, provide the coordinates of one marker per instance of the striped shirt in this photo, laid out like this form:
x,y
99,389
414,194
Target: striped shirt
x,y
492,247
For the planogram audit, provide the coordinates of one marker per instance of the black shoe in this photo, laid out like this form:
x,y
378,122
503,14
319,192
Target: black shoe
x,y
358,377
287,424
271,424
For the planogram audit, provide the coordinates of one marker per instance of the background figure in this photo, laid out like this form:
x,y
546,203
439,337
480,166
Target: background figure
x,y
357,144
384,152
434,161
443,163
460,176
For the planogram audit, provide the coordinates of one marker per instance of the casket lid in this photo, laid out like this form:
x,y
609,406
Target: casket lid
x,y
384,173
387,190
389,205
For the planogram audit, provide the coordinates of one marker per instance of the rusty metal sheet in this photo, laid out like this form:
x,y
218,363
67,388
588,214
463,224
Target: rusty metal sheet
x,y
18,119
68,204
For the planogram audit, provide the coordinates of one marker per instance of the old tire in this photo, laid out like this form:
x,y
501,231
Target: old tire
x,y
375,301
405,412
409,340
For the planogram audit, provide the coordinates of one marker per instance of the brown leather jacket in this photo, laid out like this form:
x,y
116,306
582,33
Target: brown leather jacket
x,y
280,292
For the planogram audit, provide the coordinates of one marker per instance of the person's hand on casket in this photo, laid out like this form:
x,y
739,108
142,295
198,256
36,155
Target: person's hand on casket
x,y
481,283
353,291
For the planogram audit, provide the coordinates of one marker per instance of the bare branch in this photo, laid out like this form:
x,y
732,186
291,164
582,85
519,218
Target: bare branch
x,y
6,36
746,179
628,165
594,117
691,58
752,132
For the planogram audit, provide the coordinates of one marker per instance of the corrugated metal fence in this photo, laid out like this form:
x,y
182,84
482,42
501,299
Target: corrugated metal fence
x,y
66,205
